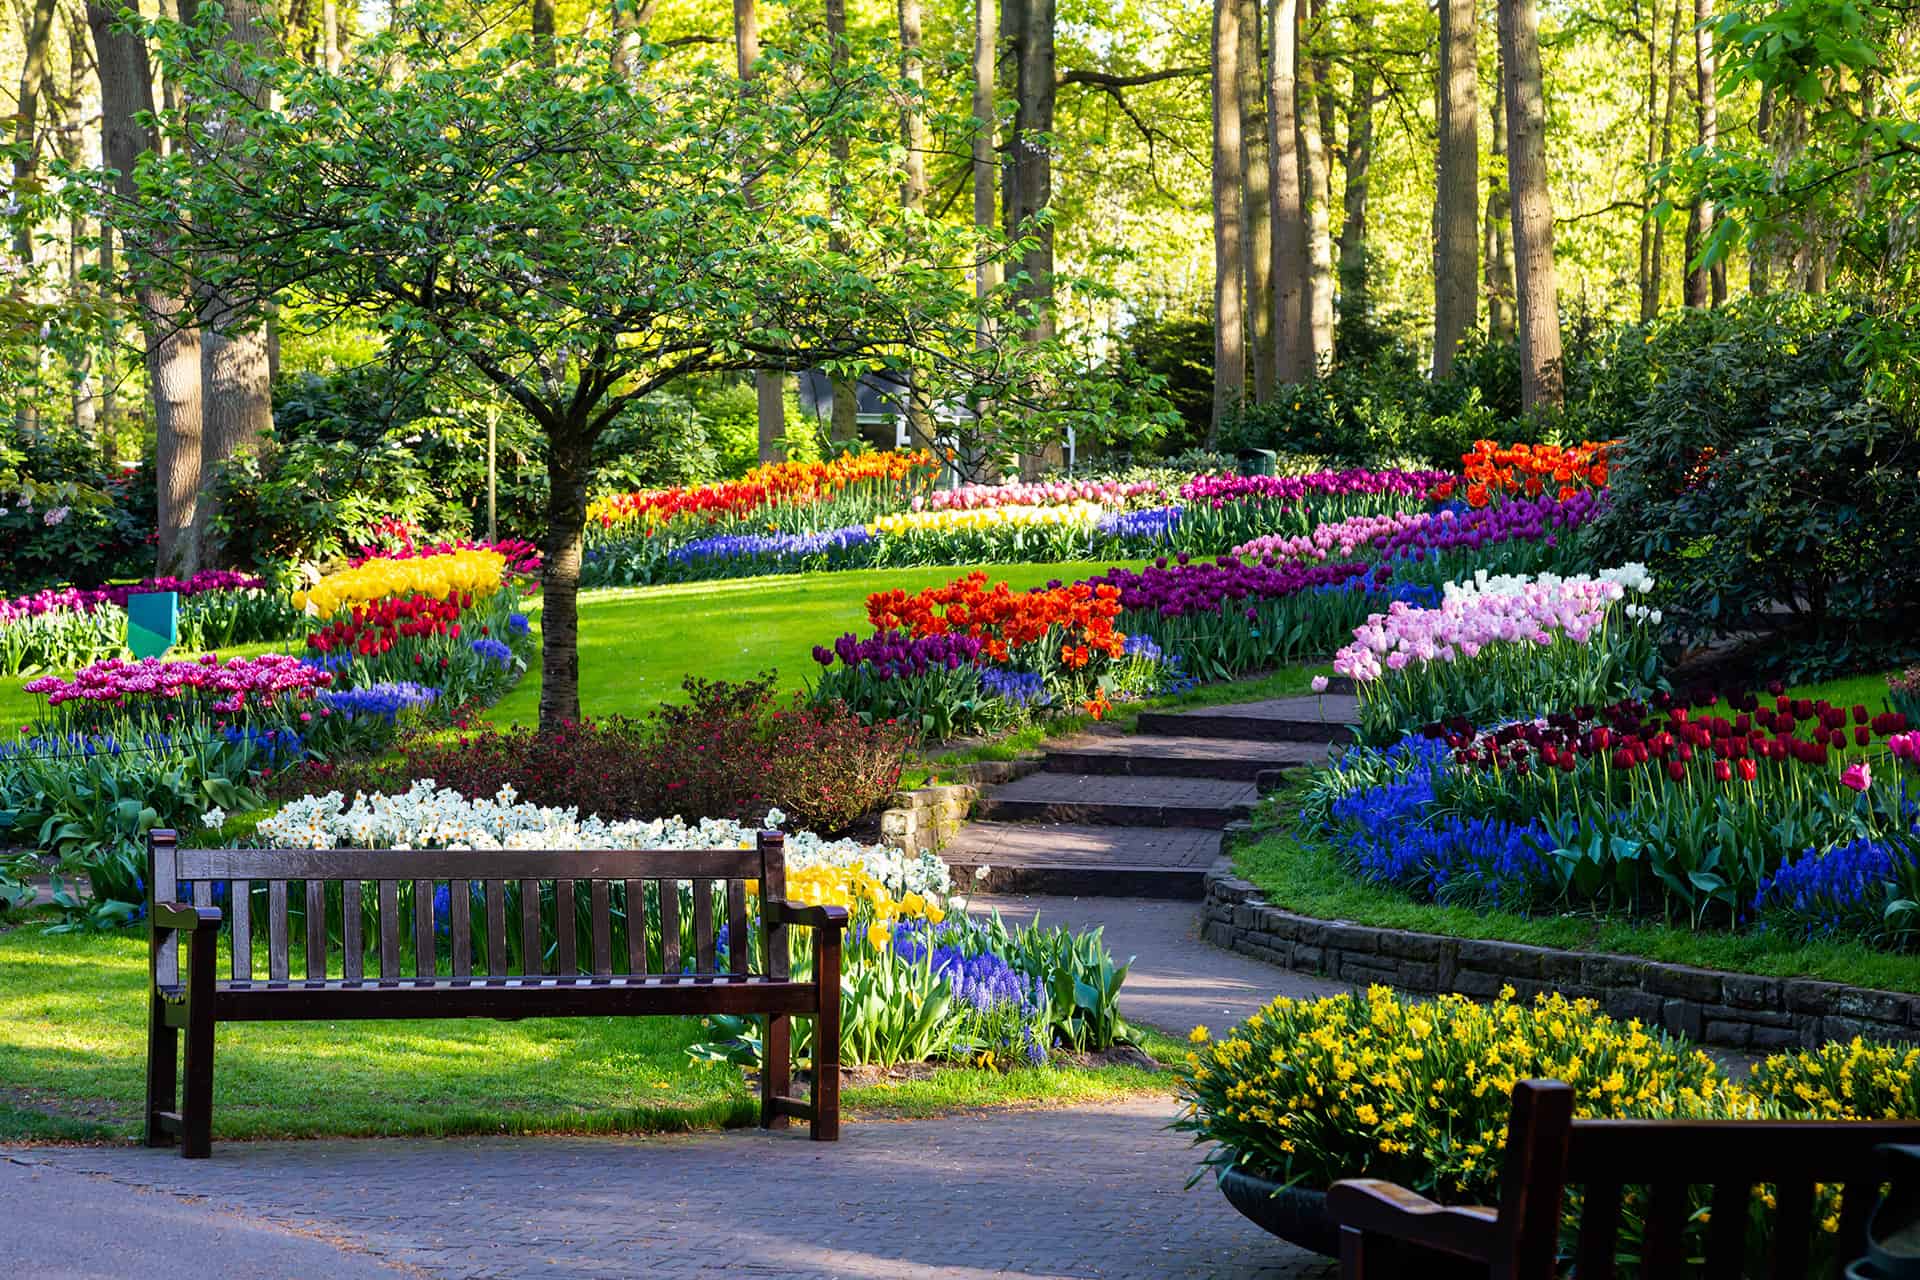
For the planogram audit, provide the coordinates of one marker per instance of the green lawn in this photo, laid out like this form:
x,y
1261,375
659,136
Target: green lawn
x,y
72,1037
638,643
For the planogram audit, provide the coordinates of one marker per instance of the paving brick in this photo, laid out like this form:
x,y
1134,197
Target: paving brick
x,y
1080,1192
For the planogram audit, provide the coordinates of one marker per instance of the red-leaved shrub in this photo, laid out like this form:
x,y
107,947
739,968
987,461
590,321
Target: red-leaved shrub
x,y
730,751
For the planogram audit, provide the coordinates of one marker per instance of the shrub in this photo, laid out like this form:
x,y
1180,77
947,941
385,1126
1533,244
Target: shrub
x,y
729,752
1761,474
80,542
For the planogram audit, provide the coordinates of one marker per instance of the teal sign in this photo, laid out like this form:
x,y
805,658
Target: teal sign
x,y
153,623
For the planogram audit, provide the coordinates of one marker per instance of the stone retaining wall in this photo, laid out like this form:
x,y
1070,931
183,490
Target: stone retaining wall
x,y
1736,1010
926,818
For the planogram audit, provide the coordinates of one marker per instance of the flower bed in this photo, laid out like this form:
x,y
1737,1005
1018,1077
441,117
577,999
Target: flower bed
x,y
1491,471
920,982
1499,647
1792,814
748,528
67,628
1310,1092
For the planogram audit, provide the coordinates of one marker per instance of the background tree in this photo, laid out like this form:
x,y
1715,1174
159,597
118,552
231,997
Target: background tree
x,y
1229,220
1456,217
1542,379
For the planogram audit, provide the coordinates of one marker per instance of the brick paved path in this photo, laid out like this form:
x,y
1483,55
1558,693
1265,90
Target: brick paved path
x,y
1085,1192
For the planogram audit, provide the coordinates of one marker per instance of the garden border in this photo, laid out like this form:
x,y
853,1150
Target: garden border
x,y
1708,1006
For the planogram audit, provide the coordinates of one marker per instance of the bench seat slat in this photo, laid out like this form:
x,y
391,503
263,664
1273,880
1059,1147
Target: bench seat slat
x,y
460,925
316,928
510,998
532,952
352,941
496,926
277,929
240,898
475,864
423,928
565,928
669,926
389,928
636,926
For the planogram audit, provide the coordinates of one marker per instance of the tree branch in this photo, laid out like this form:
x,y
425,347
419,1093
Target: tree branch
x,y
1105,80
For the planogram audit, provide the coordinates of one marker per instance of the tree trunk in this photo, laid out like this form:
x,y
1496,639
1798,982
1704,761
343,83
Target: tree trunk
x,y
1357,159
1657,265
236,380
1229,340
569,471
1292,344
1310,115
769,389
330,35
1705,286
544,29
35,87
913,187
1499,248
1541,376
986,276
1030,172
172,344
1456,220
1650,108
845,423
1256,202
1759,248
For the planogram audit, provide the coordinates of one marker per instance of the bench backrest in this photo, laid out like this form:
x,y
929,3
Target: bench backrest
x,y
481,912
1665,1161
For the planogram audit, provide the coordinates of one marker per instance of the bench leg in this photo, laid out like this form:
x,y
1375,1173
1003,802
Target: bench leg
x,y
776,1071
196,1107
163,1071
824,1125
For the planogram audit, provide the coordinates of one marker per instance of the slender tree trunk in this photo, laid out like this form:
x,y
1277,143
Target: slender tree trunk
x,y
569,471
35,87
1229,340
330,35
1256,202
1456,222
1312,75
1030,173
1650,109
845,424
236,376
1358,159
1657,265
986,276
1292,343
1499,247
769,388
913,187
1542,382
172,344
86,415
1705,286
1759,248
544,28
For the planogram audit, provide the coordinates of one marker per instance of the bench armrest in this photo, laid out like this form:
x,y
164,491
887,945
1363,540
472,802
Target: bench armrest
x,y
178,915
812,917
1389,1210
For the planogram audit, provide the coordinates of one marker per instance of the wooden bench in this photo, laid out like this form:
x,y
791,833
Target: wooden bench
x,y
1387,1230
567,933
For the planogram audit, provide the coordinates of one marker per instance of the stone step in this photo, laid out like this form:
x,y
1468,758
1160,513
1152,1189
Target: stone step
x,y
1309,717
1078,860
1180,756
1149,800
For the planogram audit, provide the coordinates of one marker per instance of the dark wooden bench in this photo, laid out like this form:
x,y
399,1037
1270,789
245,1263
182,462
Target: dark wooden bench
x,y
567,934
1387,1230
